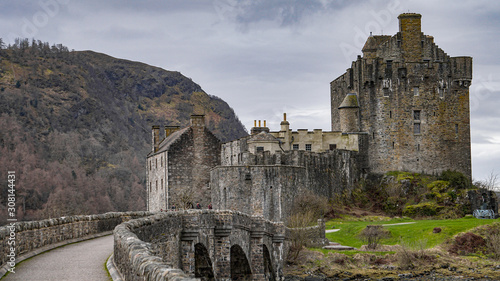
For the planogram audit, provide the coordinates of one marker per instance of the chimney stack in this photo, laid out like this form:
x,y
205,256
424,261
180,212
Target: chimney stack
x,y
170,130
155,137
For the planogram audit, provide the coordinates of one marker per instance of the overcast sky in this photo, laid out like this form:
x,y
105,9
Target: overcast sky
x,y
267,57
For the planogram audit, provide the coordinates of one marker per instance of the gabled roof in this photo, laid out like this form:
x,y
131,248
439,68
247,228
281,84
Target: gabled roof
x,y
374,41
168,141
263,137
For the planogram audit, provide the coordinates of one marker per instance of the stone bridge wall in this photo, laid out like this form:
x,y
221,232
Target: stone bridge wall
x,y
33,237
195,243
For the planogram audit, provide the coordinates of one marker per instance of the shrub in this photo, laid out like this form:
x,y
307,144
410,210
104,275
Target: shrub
x,y
467,243
457,180
438,186
426,209
313,205
410,255
372,235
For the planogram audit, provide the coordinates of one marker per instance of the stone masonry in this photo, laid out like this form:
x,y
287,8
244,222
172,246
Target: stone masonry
x,y
413,102
178,167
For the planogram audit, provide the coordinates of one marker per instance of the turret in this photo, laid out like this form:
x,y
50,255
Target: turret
x,y
349,114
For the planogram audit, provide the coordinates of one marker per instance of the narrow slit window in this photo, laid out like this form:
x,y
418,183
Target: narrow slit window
x,y
456,128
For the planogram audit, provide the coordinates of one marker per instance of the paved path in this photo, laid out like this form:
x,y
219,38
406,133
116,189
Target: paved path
x,y
80,261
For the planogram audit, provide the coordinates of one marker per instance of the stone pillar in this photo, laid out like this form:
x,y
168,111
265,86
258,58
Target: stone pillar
x,y
257,254
188,237
222,255
279,255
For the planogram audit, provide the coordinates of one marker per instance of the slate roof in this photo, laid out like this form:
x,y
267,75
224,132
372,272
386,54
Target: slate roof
x,y
374,41
167,142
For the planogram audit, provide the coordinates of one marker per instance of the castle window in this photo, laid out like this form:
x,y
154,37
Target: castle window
x,y
260,148
162,161
393,145
156,185
418,147
308,147
456,128
386,92
415,91
416,128
295,147
416,115
161,186
156,163
150,165
333,146
390,114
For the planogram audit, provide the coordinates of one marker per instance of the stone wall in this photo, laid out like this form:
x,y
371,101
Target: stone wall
x,y
166,245
266,184
37,236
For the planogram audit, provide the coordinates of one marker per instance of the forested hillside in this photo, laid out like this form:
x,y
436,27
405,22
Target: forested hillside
x,y
76,126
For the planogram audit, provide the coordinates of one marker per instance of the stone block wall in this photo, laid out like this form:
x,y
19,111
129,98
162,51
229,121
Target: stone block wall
x,y
35,235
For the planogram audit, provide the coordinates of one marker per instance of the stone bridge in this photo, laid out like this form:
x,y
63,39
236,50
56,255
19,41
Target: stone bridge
x,y
204,244
207,244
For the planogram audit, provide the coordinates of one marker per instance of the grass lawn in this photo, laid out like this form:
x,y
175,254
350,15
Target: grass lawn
x,y
418,232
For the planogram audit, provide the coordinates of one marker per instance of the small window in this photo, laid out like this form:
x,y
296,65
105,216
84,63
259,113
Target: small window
x,y
162,161
308,147
416,128
150,166
156,163
456,128
386,92
416,115
415,91
393,145
156,185
418,147
333,146
260,148
390,114
295,147
441,92
389,64
161,186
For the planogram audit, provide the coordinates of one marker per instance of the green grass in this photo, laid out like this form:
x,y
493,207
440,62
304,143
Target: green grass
x,y
413,233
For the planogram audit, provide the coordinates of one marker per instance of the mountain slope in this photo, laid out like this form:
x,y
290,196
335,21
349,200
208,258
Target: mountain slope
x,y
74,120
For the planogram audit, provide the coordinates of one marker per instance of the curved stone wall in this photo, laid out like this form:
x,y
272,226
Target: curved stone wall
x,y
33,237
164,246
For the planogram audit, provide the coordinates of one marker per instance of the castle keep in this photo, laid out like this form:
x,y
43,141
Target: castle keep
x,y
412,100
402,105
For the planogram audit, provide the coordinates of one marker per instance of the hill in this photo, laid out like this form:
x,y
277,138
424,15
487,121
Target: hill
x,y
76,126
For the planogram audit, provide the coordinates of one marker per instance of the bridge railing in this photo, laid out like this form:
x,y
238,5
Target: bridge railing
x,y
22,240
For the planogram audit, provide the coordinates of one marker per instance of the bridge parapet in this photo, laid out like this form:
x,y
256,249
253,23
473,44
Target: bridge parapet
x,y
218,245
34,237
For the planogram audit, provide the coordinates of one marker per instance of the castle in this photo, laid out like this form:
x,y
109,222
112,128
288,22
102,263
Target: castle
x,y
403,105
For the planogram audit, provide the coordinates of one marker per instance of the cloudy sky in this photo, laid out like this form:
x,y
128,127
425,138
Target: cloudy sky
x,y
267,57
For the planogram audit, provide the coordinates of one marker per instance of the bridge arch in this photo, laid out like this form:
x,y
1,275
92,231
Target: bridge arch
x,y
268,264
202,263
240,267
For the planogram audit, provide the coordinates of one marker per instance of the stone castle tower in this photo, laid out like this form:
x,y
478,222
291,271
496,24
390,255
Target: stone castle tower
x,y
411,99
